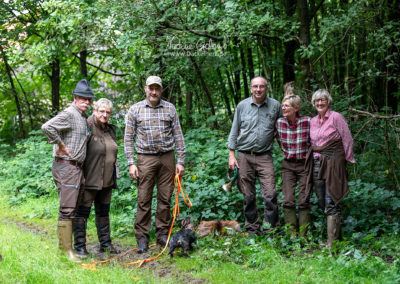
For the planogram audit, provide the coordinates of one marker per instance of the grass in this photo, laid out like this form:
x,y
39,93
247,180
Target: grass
x,y
28,245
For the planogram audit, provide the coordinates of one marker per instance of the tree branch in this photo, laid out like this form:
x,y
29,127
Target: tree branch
x,y
366,113
102,70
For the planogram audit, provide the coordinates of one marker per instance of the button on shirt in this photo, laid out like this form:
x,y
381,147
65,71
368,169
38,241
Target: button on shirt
x,y
155,129
294,138
333,126
71,128
253,126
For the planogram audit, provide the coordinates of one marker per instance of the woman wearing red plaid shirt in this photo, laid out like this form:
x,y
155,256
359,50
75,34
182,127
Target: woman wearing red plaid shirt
x,y
293,135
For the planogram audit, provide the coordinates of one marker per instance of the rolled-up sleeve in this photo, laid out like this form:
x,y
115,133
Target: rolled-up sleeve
x,y
232,140
130,131
55,126
347,140
179,140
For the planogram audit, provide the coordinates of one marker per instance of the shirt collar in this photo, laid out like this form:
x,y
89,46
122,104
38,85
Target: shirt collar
x,y
78,110
161,104
295,121
265,102
327,114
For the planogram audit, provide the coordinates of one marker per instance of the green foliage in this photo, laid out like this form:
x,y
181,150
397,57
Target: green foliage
x,y
28,174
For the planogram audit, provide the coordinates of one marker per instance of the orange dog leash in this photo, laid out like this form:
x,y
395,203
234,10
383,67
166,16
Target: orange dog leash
x,y
178,186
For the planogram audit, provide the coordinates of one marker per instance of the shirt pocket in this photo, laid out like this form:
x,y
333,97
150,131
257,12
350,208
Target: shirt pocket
x,y
268,121
246,123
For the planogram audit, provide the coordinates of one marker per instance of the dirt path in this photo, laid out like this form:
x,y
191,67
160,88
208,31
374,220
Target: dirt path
x,y
161,267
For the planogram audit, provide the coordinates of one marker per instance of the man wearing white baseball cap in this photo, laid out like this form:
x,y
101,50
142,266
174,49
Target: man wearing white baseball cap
x,y
154,125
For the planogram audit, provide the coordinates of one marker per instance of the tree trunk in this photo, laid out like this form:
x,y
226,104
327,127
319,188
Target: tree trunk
x,y
82,60
15,93
189,106
244,76
203,84
236,71
290,47
55,86
224,92
305,38
250,62
235,97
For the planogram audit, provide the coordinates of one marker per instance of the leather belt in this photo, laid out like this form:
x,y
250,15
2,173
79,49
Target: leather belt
x,y
256,153
74,163
155,154
295,159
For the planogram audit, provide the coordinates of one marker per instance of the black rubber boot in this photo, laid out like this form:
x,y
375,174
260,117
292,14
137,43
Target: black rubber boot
x,y
103,233
80,236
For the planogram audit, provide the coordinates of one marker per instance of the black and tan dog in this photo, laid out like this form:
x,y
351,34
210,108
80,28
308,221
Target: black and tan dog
x,y
184,238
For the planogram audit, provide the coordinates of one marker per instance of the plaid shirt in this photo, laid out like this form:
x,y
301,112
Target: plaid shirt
x,y
71,128
294,139
156,129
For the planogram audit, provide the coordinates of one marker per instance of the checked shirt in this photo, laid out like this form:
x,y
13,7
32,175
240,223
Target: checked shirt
x,y
154,129
71,128
294,139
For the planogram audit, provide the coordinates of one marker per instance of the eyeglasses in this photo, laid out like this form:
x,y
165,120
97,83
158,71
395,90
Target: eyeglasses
x,y
322,100
104,112
261,87
286,106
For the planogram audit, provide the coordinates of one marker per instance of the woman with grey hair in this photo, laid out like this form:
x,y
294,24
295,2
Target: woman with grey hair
x,y
331,149
293,136
100,170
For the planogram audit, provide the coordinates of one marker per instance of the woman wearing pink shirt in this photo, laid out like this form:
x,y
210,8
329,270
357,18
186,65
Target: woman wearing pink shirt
x,y
331,149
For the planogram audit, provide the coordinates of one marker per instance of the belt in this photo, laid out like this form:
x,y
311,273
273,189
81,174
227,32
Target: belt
x,y
74,163
155,154
295,159
256,153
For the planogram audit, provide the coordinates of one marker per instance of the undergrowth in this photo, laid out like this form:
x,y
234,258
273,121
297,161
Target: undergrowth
x,y
371,213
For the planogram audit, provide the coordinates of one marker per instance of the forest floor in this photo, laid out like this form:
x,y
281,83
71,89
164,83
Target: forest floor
x,y
29,254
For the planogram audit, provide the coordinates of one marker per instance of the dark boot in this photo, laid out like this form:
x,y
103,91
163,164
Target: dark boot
x,y
64,233
80,236
304,221
291,220
142,246
103,233
333,227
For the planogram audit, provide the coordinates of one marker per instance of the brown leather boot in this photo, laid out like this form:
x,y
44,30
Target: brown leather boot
x,y
333,226
64,233
291,220
304,221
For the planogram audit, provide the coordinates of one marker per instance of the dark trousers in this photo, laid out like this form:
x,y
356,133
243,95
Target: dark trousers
x,y
324,199
154,170
68,179
292,172
101,198
261,167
